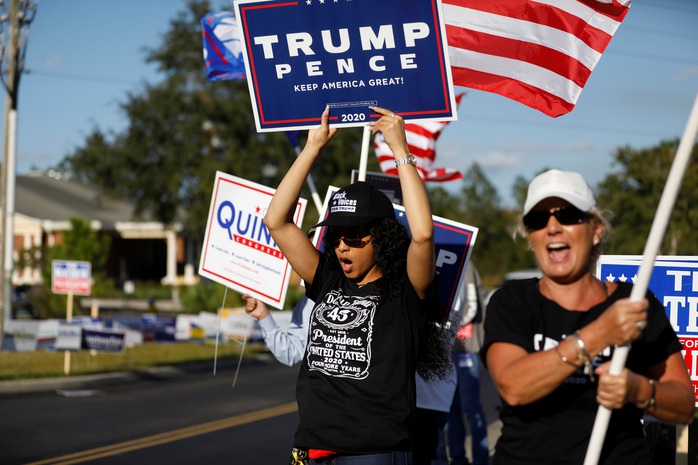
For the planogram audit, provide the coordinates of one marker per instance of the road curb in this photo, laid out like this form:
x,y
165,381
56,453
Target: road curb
x,y
22,386
69,382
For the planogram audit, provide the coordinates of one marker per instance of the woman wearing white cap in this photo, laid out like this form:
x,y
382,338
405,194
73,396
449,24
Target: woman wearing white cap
x,y
549,341
373,290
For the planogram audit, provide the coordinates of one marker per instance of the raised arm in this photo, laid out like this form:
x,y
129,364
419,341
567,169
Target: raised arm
x,y
290,239
421,255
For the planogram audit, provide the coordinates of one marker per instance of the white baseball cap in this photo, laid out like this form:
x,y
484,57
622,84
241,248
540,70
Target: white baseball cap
x,y
567,185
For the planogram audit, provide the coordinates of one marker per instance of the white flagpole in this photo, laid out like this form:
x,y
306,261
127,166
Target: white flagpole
x,y
654,240
365,142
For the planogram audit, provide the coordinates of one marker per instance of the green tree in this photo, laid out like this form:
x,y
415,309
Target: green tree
x,y
185,128
496,250
445,204
478,204
80,243
632,195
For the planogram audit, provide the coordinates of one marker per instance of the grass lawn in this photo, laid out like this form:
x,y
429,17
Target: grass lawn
x,y
44,364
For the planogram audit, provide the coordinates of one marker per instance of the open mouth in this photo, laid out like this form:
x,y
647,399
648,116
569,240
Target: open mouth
x,y
558,251
346,265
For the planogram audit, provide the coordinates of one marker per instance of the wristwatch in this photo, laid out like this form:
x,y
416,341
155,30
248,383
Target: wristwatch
x,y
411,159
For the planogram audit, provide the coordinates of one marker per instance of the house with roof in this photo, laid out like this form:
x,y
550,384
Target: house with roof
x,y
142,249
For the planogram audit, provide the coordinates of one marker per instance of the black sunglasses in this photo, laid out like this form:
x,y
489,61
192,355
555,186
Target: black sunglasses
x,y
567,215
356,240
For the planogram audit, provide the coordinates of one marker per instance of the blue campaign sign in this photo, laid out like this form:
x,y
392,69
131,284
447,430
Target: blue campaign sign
x,y
301,56
454,243
103,340
674,281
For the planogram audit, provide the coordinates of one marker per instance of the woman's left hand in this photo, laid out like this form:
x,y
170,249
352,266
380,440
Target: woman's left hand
x,y
392,126
614,391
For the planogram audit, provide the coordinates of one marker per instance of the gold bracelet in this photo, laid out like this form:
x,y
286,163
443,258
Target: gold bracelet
x,y
581,345
588,366
565,359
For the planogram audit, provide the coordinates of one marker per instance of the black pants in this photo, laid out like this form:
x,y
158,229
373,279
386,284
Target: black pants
x,y
425,435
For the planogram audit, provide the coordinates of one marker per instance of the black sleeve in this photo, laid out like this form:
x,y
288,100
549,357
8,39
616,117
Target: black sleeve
x,y
509,318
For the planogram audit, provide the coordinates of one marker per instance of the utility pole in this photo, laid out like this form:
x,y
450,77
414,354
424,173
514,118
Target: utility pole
x,y
14,33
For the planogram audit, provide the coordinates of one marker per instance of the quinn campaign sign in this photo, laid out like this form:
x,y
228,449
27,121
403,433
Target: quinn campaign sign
x,y
454,243
301,56
674,281
238,250
71,277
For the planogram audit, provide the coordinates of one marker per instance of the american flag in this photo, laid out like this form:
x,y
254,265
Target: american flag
x,y
537,52
421,139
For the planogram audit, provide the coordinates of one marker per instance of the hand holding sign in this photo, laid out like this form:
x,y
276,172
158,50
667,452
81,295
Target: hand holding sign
x,y
392,126
300,56
320,136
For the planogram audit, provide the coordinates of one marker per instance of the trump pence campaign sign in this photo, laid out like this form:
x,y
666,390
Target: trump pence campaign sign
x,y
301,56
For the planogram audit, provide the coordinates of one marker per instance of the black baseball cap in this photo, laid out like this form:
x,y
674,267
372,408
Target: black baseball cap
x,y
357,204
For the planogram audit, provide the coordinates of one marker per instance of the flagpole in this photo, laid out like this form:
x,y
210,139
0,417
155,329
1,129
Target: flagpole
x,y
654,240
363,163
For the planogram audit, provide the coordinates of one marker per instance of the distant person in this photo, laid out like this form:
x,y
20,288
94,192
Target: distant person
x,y
549,342
287,347
374,290
466,399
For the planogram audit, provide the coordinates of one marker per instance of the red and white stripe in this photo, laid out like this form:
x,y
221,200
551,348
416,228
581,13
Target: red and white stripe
x,y
537,52
421,139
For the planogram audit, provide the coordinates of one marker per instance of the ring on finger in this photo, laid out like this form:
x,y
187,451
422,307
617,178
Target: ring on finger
x,y
642,324
393,115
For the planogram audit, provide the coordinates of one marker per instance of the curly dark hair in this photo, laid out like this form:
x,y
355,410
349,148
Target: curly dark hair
x,y
390,243
434,358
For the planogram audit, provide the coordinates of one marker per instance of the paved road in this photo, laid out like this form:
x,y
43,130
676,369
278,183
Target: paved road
x,y
165,416
171,417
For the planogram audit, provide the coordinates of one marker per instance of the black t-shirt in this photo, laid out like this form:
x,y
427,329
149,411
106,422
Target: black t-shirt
x,y
556,428
356,386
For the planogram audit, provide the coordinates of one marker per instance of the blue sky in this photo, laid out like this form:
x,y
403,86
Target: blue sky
x,y
85,56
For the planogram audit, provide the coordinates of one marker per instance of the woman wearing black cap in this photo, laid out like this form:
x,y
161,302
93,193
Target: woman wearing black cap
x,y
373,290
549,342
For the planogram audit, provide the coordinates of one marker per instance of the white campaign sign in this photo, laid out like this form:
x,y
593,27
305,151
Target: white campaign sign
x,y
71,277
238,250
